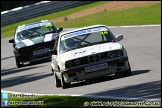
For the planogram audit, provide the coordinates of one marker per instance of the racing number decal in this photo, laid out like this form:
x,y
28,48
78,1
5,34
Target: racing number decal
x,y
104,32
48,25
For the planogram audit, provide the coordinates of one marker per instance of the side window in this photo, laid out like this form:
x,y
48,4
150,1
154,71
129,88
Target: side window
x,y
17,36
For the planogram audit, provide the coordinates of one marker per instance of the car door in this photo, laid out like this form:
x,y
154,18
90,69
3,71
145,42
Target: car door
x,y
54,56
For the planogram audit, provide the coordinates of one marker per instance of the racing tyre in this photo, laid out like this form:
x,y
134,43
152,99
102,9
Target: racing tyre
x,y
18,62
128,72
63,83
125,73
57,81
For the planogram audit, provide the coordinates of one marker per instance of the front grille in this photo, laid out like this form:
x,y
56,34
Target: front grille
x,y
84,60
95,57
27,53
103,55
91,59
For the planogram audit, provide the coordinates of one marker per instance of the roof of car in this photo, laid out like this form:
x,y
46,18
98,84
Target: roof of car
x,y
82,28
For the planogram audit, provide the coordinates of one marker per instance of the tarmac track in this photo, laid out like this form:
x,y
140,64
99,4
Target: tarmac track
x,y
143,44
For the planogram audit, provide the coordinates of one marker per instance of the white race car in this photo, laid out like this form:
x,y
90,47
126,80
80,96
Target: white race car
x,y
88,52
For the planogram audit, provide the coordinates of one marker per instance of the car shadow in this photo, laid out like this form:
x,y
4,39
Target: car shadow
x,y
17,80
143,91
7,58
16,70
106,78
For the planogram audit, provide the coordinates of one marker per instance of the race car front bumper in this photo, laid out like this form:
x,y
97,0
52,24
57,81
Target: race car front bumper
x,y
96,70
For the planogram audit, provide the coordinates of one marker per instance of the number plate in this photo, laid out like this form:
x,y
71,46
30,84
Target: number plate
x,y
42,51
96,67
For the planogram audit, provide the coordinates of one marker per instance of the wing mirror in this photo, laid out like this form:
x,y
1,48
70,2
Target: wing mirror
x,y
60,29
119,37
11,40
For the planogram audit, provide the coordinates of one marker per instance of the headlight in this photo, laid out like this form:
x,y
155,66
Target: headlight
x,y
119,53
69,64
111,55
22,50
72,63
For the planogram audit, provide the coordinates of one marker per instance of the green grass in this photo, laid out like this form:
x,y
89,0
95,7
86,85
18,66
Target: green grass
x,y
134,16
69,101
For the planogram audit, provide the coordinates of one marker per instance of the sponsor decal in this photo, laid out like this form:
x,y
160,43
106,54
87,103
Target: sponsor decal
x,y
47,24
96,67
41,51
48,37
82,32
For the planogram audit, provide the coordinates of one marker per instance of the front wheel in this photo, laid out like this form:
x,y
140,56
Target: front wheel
x,y
57,81
128,72
18,62
63,83
125,73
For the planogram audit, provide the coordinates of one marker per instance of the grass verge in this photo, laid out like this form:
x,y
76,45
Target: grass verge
x,y
134,16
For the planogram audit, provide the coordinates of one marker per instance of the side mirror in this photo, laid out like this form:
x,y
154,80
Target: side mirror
x,y
11,40
119,37
53,51
60,29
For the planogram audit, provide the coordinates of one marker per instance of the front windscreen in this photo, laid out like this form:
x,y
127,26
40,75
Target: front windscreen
x,y
35,30
85,38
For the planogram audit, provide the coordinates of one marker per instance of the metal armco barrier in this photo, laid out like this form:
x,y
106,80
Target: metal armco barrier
x,y
37,9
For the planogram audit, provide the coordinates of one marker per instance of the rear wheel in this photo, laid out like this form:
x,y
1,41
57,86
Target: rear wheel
x,y
18,62
63,83
57,81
